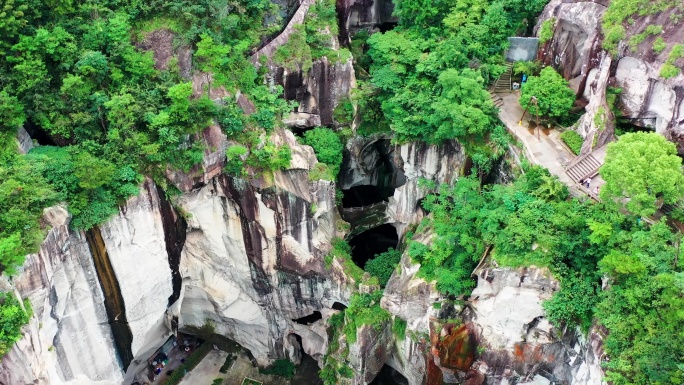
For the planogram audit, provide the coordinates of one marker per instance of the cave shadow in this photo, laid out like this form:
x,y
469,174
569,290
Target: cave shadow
x,y
389,376
365,246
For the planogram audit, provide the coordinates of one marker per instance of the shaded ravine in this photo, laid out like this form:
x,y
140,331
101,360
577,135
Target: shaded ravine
x,y
114,303
175,228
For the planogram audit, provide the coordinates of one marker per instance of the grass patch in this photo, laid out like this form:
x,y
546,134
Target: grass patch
x,y
573,140
282,368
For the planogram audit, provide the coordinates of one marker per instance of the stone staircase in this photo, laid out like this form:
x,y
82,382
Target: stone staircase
x,y
496,99
583,168
503,83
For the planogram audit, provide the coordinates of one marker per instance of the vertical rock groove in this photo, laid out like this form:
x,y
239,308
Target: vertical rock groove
x,y
114,303
175,229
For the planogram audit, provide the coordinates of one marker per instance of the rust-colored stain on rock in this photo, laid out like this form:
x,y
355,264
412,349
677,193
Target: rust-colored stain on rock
x,y
453,348
457,350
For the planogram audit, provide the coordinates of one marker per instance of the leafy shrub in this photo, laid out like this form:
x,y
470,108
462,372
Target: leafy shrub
x,y
547,30
659,45
296,53
383,265
573,140
282,368
227,363
327,146
270,158
554,98
217,381
399,328
574,303
530,68
344,113
364,309
234,160
12,318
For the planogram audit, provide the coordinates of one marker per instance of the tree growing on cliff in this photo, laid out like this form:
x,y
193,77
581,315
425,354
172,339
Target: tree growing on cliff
x,y
12,318
553,96
327,146
642,167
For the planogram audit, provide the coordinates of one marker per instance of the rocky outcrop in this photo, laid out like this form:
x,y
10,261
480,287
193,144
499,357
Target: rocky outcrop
x,y
576,40
395,170
500,335
419,161
253,257
69,340
645,99
318,91
363,14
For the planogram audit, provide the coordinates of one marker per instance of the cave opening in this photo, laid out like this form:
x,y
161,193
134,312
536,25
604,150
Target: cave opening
x,y
389,376
307,371
624,126
365,246
387,26
383,177
38,134
300,131
309,319
339,306
359,196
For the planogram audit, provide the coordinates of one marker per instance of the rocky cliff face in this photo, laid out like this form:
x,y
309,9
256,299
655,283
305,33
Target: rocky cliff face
x,y
645,99
497,336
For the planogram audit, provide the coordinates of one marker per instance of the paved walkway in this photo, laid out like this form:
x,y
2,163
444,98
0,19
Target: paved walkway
x,y
547,151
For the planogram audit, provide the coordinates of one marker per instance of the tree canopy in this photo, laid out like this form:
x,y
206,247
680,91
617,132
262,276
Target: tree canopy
x,y
642,168
554,98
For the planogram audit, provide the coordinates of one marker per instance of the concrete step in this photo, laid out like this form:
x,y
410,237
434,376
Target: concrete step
x,y
586,167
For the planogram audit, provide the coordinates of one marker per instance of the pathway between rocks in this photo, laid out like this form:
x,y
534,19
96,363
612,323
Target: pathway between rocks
x,y
545,151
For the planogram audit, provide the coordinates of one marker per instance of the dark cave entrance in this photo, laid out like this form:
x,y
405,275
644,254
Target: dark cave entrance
x,y
300,131
368,244
624,126
387,26
359,196
307,370
377,165
311,318
339,306
389,376
38,134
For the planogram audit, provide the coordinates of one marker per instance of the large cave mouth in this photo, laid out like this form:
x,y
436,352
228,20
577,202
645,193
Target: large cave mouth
x,y
311,318
376,166
389,376
368,244
359,196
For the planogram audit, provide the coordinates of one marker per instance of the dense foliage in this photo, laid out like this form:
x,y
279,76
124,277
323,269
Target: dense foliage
x,y
547,95
643,168
327,146
12,318
383,265
573,140
282,368
74,71
533,222
428,75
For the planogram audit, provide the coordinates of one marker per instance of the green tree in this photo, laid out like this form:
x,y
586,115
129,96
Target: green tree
x,y
642,168
554,98
383,265
327,146
12,318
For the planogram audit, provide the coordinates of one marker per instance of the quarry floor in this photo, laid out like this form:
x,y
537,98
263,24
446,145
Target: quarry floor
x,y
208,370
